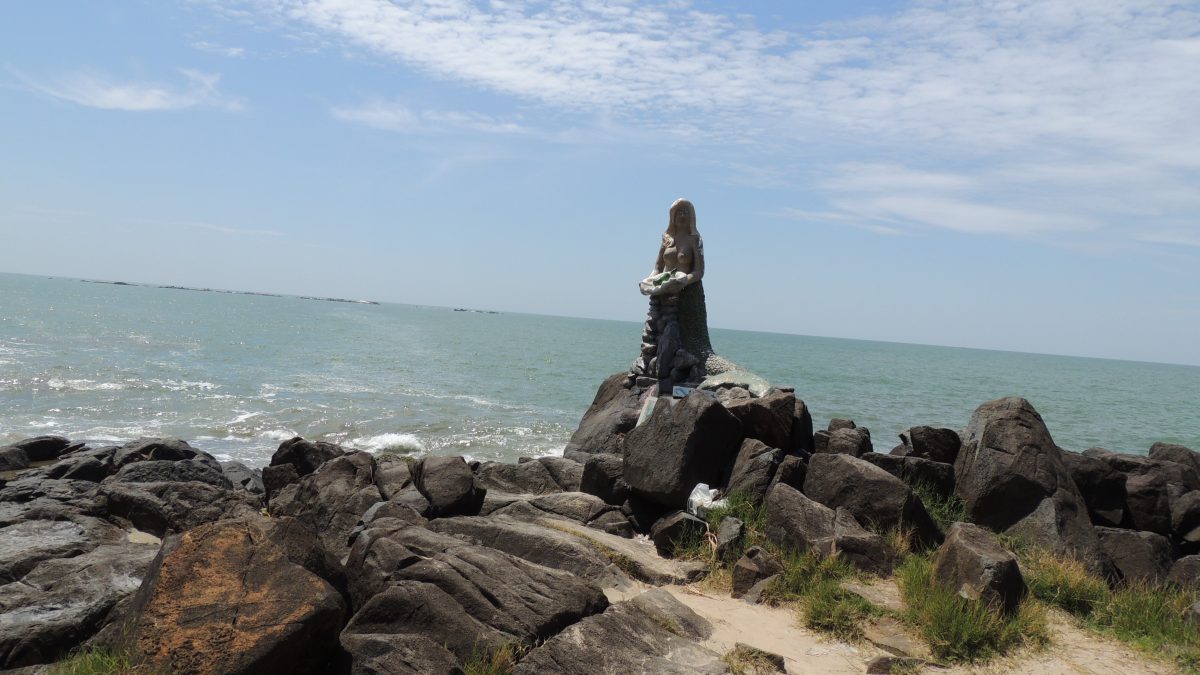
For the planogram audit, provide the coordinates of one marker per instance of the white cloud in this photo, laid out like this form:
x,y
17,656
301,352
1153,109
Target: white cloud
x,y
396,116
1022,116
96,90
222,50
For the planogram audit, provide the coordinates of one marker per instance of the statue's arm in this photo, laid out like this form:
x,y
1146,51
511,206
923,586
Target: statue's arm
x,y
658,262
697,272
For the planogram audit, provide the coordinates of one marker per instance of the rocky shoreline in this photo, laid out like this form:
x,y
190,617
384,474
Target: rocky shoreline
x,y
330,560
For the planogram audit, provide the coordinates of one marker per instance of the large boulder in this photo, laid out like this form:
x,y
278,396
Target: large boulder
x,y
162,508
522,601
1102,488
603,476
802,430
332,500
871,494
449,485
13,459
1011,478
754,566
61,601
40,448
1185,573
544,475
168,471
855,442
975,566
84,464
396,653
613,413
241,476
916,471
1136,556
676,529
223,598
796,523
150,449
652,633
536,542
1185,517
754,470
684,442
1151,487
934,444
1170,452
306,456
769,418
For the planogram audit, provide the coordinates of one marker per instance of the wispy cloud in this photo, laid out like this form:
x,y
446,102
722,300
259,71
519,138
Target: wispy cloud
x,y
96,90
397,116
221,50
995,116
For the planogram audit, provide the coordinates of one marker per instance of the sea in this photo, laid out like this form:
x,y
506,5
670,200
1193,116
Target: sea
x,y
235,374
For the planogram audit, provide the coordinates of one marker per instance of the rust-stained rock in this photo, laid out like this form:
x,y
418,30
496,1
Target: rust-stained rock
x,y
222,598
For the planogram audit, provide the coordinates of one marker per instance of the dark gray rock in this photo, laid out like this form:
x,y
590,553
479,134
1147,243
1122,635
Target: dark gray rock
x,y
537,543
522,601
393,474
397,654
578,506
541,476
243,477
871,494
1136,556
730,534
1170,452
420,609
802,430
853,442
603,476
838,423
820,441
796,523
449,485
613,522
613,413
1185,573
754,470
306,456
676,529
149,449
168,471
754,566
60,601
792,471
769,418
1151,488
938,445
973,564
684,442
13,459
1185,517
166,507
916,471
93,466
276,478
1102,488
652,633
1011,478
332,501
41,448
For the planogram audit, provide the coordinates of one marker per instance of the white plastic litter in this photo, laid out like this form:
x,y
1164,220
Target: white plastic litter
x,y
701,500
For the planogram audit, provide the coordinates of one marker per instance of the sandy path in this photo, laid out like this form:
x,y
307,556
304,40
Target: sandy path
x,y
775,630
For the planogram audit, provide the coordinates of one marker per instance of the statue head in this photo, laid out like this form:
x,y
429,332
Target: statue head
x,y
682,214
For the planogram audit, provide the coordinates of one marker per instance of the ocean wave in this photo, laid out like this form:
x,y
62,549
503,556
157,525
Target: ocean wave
x,y
80,384
390,442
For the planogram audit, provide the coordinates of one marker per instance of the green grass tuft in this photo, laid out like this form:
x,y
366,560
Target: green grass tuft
x,y
498,661
94,662
1154,620
1063,582
945,511
959,630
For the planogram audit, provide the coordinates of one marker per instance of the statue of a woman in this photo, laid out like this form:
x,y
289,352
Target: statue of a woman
x,y
680,261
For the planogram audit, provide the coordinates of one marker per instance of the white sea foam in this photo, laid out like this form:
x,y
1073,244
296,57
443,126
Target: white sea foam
x,y
390,442
277,434
59,384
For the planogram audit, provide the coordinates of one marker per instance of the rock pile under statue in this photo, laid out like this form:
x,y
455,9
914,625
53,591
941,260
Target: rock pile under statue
x,y
332,560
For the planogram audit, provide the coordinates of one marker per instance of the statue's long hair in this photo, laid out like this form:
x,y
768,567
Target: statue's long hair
x,y
682,203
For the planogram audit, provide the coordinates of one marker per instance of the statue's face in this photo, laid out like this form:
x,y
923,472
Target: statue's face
x,y
682,216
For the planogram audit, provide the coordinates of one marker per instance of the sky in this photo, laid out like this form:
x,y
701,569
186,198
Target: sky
x,y
1003,174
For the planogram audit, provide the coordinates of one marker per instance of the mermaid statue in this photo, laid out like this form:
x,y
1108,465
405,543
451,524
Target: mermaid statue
x,y
676,350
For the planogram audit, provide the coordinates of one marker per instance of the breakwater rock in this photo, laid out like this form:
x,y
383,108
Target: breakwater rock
x,y
331,560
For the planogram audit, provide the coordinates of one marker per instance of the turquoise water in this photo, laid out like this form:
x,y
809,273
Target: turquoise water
x,y
236,374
